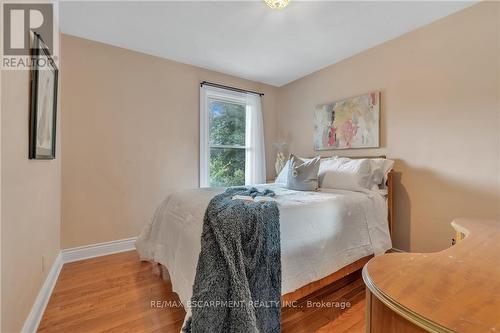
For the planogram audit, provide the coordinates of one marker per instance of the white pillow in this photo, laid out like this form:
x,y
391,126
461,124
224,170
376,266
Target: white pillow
x,y
283,175
303,175
380,167
345,174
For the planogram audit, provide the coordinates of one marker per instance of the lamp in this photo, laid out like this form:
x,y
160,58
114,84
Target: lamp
x,y
280,156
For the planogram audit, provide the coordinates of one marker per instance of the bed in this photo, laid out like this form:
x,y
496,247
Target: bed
x,y
325,235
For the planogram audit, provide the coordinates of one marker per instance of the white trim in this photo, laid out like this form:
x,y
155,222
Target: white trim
x,y
65,256
38,308
227,147
97,250
397,250
204,151
207,93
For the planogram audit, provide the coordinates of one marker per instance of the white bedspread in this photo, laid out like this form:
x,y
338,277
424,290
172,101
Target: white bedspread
x,y
321,232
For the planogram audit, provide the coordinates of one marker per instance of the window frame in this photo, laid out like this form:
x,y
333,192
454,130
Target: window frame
x,y
212,93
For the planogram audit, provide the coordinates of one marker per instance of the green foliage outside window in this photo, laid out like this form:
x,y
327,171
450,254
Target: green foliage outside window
x,y
227,167
227,128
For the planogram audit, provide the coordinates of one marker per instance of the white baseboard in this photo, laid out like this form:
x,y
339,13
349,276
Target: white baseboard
x,y
65,256
97,250
397,250
38,308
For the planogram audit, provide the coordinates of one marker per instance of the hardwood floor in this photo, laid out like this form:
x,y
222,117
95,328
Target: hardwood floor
x,y
114,294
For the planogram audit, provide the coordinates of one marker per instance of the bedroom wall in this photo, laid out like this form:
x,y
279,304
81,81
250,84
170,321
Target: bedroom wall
x,y
131,136
31,206
440,119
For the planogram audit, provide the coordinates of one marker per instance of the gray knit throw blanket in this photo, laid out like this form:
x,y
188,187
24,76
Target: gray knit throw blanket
x,y
237,288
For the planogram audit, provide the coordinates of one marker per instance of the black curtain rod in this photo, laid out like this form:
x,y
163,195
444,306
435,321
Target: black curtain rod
x,y
230,88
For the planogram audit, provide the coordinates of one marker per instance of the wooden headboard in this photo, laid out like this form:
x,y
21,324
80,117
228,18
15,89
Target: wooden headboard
x,y
389,184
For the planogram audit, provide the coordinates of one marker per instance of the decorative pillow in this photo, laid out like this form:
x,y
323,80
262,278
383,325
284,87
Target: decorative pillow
x,y
283,175
281,178
346,174
302,174
380,167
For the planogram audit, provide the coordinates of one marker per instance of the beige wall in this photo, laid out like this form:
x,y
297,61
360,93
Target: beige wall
x,y
440,119
130,127
131,136
31,206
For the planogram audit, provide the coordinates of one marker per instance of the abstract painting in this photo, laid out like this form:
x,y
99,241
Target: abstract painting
x,y
348,123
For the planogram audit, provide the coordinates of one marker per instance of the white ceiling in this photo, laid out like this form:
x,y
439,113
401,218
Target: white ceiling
x,y
246,38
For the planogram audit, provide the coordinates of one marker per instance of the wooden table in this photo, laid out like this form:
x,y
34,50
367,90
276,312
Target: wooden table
x,y
455,290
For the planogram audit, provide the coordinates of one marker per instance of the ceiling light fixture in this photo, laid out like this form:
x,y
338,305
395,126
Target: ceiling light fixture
x,y
277,4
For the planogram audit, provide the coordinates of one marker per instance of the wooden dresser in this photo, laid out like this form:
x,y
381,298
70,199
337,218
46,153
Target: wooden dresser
x,y
455,290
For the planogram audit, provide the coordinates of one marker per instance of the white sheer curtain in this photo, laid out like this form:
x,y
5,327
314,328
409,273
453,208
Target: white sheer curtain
x,y
255,159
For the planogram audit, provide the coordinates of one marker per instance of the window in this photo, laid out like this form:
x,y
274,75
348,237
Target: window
x,y
231,139
226,140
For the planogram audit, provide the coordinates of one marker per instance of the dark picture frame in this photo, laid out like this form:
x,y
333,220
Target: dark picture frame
x,y
43,113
